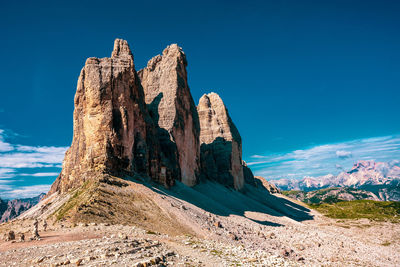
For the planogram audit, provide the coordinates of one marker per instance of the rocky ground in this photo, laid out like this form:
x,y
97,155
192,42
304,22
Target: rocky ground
x,y
118,245
231,240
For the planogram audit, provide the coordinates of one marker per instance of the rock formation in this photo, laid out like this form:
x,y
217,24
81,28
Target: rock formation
x,y
13,208
171,105
267,185
221,144
145,123
113,132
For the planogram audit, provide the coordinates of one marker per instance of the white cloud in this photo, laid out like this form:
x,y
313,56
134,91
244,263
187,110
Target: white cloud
x,y
14,158
6,173
338,166
325,159
40,174
4,146
32,159
343,154
257,157
24,191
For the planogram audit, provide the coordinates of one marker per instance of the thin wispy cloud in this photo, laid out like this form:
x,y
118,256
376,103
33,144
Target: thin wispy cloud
x,y
343,154
29,164
4,147
326,159
40,174
25,191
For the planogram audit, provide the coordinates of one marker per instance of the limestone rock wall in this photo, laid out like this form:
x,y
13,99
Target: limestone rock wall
x,y
171,105
146,122
221,144
111,124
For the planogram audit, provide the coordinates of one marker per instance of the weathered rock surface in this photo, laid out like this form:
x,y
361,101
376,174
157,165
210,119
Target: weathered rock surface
x,y
248,175
128,123
171,105
221,144
267,185
113,132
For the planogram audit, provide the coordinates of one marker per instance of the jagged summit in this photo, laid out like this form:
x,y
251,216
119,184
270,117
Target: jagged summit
x,y
212,106
173,50
121,48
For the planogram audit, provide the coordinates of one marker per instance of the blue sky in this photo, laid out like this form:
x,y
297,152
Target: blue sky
x,y
326,159
295,75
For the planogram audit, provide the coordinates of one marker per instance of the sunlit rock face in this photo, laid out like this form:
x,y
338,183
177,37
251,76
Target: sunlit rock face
x,y
221,144
171,105
145,123
113,132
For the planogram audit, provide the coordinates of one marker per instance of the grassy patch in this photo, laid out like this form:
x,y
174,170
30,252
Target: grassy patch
x,y
71,203
291,192
358,209
216,252
151,233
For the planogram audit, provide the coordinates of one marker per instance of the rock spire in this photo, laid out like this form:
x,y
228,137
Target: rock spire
x,y
171,105
221,144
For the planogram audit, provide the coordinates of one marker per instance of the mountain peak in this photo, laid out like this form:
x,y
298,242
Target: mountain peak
x,y
121,49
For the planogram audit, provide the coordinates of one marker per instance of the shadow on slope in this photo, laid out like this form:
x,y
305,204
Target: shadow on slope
x,y
138,201
220,200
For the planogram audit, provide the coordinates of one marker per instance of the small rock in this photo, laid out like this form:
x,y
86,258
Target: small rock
x,y
233,236
218,224
286,252
122,236
90,258
271,235
10,236
300,259
39,260
77,262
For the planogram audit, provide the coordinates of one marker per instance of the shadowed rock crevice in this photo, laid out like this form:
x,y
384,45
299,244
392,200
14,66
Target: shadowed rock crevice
x,y
216,162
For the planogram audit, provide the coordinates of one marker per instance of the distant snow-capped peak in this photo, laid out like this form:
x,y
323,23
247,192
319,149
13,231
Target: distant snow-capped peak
x,y
363,172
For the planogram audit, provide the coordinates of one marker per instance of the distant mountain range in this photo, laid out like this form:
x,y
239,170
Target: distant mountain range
x,y
331,195
380,178
9,209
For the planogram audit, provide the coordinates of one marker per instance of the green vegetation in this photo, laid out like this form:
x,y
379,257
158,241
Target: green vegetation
x,y
358,209
72,202
151,233
291,192
328,195
216,252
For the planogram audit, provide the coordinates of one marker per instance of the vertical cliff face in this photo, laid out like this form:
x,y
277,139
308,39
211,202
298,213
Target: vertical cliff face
x,y
112,129
171,106
221,144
